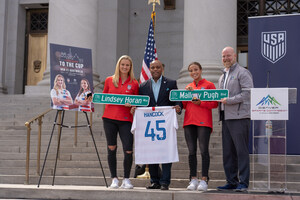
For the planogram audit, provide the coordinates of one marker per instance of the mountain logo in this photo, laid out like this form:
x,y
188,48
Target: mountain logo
x,y
268,100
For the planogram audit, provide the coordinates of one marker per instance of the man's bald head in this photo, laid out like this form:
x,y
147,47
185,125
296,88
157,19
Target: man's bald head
x,y
228,57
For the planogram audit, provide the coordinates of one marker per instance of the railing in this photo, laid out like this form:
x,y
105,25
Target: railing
x,y
28,125
40,122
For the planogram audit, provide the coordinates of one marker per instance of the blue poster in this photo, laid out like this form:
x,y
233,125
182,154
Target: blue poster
x,y
274,60
71,78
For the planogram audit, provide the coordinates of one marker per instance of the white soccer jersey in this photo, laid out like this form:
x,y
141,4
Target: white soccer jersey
x,y
155,135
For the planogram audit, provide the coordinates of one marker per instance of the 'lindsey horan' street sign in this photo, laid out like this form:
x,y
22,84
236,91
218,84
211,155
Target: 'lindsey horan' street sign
x,y
119,99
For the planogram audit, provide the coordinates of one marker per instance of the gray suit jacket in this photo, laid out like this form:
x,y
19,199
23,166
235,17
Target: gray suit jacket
x,y
238,102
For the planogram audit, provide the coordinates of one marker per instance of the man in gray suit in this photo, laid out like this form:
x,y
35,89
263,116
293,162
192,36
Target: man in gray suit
x,y
235,117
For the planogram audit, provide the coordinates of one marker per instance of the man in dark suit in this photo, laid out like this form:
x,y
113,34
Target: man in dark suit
x,y
158,89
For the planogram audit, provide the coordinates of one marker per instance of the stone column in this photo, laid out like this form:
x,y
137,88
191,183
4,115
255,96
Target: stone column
x,y
113,31
71,23
3,7
209,26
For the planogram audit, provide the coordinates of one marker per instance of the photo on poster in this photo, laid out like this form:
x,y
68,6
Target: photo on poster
x,y
71,78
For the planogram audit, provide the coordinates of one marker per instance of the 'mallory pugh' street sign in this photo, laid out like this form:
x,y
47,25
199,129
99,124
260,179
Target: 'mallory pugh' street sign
x,y
203,95
118,99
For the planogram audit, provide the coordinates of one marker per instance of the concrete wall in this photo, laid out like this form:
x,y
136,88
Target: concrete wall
x,y
12,43
168,35
121,29
107,38
3,16
14,52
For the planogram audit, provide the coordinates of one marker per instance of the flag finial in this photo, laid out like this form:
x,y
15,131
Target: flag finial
x,y
154,2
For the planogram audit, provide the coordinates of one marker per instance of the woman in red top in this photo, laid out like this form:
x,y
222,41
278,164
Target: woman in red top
x,y
198,125
117,119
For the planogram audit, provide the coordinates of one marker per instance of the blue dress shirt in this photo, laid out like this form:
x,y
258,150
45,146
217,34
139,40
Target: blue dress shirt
x,y
156,87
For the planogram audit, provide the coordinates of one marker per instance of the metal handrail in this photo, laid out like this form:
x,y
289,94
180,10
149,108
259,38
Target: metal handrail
x,y
39,118
28,125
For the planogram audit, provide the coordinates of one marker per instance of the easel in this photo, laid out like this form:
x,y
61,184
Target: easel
x,y
61,125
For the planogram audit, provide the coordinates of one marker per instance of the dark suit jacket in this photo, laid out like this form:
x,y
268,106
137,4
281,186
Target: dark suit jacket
x,y
163,96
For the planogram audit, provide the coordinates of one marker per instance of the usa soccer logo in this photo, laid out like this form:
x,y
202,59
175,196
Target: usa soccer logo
x,y
273,45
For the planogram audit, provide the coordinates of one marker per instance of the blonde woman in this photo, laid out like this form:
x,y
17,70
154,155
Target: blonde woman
x,y
118,119
59,94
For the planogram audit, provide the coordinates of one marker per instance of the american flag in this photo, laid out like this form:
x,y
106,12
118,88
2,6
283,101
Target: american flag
x,y
150,51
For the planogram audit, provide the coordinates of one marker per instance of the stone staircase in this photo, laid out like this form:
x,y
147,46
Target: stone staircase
x,y
78,165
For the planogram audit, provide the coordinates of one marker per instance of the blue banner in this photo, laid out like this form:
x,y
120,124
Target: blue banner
x,y
274,59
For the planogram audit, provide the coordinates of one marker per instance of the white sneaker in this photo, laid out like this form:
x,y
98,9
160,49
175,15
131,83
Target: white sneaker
x,y
202,186
193,184
126,184
114,183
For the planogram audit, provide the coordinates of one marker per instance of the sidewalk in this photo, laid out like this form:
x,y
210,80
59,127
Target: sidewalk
x,y
16,191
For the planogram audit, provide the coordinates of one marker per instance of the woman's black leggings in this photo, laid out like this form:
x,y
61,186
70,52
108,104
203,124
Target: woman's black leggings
x,y
202,133
112,128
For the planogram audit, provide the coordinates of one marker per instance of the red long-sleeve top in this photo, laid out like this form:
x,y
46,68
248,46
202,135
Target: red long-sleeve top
x,y
119,112
199,115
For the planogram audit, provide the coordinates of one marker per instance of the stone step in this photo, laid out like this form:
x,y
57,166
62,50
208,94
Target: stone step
x,y
80,156
86,172
67,141
291,169
96,128
101,143
19,98
181,184
80,163
14,132
11,127
47,124
93,164
82,132
80,192
25,105
49,118
92,156
31,110
101,146
93,181
176,173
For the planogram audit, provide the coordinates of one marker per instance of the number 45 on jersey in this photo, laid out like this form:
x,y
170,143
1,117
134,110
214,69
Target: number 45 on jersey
x,y
157,132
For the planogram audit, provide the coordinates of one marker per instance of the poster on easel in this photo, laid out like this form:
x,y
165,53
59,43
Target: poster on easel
x,y
71,78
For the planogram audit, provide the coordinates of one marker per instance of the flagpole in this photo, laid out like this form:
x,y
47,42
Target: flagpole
x,y
146,175
154,2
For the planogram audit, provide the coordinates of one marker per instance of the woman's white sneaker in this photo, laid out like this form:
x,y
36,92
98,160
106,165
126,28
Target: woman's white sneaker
x,y
126,184
114,183
193,184
202,186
